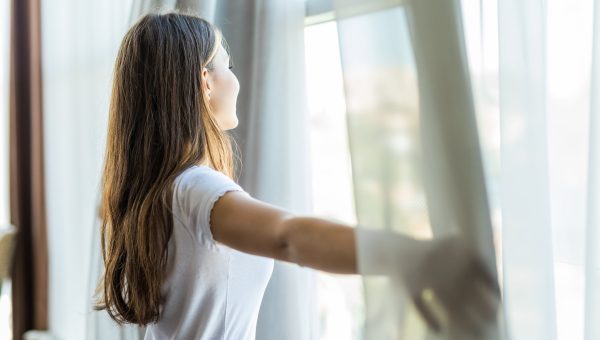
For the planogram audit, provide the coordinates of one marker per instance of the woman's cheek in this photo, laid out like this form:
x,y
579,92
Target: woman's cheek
x,y
234,90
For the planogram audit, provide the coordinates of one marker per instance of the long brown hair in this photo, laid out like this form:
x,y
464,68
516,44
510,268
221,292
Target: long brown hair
x,y
160,124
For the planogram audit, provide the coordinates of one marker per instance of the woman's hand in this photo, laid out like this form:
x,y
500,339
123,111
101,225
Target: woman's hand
x,y
450,286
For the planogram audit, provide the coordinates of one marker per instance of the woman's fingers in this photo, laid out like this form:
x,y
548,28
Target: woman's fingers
x,y
487,301
486,290
479,312
466,294
476,306
468,321
486,276
469,299
426,313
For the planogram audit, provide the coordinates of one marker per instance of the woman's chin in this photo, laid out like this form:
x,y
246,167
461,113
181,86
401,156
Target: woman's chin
x,y
233,124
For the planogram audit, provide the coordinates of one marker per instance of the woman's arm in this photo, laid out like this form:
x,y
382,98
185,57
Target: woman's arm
x,y
249,225
445,268
320,244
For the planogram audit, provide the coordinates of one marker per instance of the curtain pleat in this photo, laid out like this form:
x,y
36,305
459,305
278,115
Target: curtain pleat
x,y
592,255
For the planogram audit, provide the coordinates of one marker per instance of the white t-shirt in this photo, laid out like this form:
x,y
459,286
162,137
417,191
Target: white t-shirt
x,y
211,291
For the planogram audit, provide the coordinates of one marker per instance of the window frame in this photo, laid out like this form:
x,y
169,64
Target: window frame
x,y
320,11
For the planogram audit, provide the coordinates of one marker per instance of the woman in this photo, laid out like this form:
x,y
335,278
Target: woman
x,y
187,251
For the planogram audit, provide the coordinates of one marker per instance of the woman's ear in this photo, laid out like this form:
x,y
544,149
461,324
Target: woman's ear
x,y
206,81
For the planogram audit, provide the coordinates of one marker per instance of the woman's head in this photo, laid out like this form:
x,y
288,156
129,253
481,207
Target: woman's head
x,y
173,98
172,78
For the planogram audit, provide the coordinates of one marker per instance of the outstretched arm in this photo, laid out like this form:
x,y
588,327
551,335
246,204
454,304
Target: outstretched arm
x,y
447,268
259,228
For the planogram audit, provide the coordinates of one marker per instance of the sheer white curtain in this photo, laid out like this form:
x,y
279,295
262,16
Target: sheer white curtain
x,y
533,67
592,225
525,193
80,41
534,73
548,196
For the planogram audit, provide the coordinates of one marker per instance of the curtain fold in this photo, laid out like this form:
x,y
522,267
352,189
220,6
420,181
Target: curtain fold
x,y
27,199
453,165
592,254
525,190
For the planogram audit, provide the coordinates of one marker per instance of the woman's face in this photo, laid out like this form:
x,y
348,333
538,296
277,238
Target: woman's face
x,y
222,87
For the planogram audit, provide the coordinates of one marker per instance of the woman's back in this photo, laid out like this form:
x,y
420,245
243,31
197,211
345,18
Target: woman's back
x,y
211,291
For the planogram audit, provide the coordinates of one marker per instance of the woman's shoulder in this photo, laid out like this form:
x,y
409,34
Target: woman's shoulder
x,y
199,179
194,170
195,193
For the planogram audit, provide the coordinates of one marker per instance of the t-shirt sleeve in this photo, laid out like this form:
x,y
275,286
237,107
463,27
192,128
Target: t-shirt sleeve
x,y
202,189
